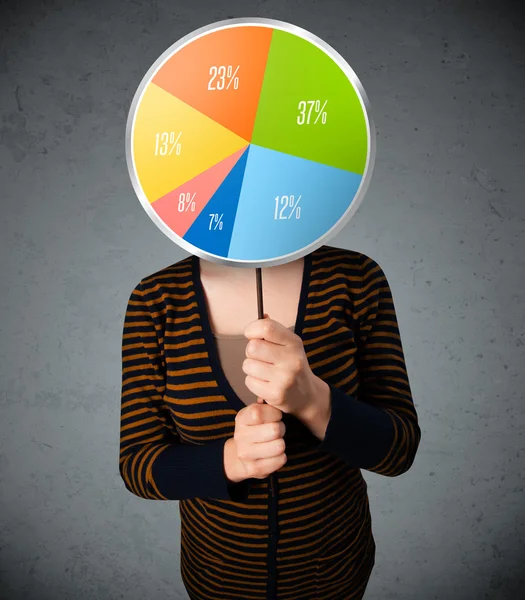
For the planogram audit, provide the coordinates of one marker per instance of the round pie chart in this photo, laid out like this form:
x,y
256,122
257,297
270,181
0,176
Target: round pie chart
x,y
250,142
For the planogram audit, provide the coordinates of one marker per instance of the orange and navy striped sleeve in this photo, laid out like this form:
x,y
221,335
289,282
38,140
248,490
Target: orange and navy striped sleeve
x,y
153,462
377,428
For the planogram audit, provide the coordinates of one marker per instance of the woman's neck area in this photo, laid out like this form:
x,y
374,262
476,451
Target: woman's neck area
x,y
244,274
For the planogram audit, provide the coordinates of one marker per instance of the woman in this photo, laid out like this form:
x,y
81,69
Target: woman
x,y
272,500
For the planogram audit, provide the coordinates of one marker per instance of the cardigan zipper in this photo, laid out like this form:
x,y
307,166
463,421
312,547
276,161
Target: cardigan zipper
x,y
273,532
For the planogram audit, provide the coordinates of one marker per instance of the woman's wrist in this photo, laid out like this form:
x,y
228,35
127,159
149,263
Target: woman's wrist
x,y
231,462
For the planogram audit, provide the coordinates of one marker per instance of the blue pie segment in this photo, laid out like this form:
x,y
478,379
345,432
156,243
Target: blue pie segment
x,y
212,229
286,203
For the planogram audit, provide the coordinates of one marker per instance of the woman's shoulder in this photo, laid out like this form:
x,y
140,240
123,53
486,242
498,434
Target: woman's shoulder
x,y
162,288
166,278
352,262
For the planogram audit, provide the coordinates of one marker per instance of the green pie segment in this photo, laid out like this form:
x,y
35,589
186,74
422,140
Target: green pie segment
x,y
309,108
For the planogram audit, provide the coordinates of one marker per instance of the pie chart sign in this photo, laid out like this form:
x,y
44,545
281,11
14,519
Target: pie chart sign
x,y
250,142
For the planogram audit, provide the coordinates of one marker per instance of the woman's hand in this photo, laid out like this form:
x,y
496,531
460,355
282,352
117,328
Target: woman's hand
x,y
277,368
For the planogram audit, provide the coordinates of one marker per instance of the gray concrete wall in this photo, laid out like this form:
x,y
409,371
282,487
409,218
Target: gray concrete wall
x,y
444,216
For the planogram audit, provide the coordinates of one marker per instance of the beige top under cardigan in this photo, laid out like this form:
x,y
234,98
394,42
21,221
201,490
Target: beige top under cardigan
x,y
232,352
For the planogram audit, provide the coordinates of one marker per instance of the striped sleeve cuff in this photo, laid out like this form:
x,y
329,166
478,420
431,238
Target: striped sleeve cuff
x,y
184,471
357,432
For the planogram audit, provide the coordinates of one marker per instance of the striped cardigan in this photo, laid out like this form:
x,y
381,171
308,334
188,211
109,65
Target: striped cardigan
x,y
309,537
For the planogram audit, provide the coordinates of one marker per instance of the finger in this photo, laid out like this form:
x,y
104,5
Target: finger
x,y
269,449
269,465
266,432
269,330
255,414
266,413
258,369
267,351
270,431
261,389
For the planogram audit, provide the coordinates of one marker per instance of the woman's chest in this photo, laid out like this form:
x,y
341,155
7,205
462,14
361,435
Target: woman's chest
x,y
231,307
197,392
